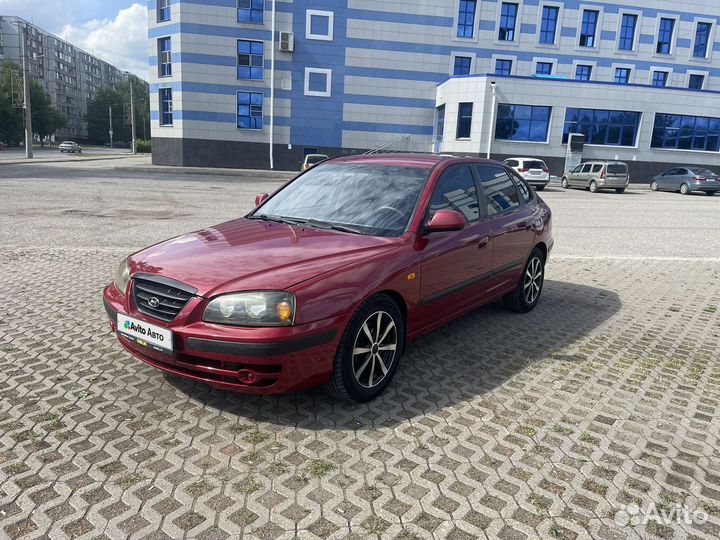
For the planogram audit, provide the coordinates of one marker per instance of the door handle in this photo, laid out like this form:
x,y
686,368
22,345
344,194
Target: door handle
x,y
483,242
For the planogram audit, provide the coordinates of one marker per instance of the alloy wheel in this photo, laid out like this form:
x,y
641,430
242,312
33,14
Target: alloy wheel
x,y
532,282
654,185
375,349
684,189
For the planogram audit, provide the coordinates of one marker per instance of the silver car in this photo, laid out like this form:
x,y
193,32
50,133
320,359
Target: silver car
x,y
597,175
70,146
686,180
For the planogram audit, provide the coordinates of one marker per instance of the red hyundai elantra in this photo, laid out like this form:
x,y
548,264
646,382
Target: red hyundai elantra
x,y
326,280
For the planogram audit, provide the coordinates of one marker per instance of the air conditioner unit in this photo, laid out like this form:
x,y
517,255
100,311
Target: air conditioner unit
x,y
287,41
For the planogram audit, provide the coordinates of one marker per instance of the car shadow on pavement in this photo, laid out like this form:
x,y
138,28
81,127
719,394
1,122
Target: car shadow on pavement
x,y
461,361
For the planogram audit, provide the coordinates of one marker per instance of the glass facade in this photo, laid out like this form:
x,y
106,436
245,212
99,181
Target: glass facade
x,y
462,65
548,26
250,59
675,131
466,18
602,127
464,120
589,28
522,123
627,32
665,36
508,21
249,110
251,11
702,38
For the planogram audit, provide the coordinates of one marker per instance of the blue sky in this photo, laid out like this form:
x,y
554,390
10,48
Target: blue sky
x,y
115,30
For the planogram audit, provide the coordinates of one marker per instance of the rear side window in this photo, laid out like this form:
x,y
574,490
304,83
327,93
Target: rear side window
x,y
597,168
535,165
456,191
501,195
522,188
586,168
617,168
512,163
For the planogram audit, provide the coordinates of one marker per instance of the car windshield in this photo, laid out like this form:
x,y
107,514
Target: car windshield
x,y
376,199
535,165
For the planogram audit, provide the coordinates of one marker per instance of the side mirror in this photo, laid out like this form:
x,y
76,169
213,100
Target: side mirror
x,y
261,199
446,220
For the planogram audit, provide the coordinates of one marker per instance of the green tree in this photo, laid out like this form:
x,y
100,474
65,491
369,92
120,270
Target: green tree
x,y
11,119
46,119
98,115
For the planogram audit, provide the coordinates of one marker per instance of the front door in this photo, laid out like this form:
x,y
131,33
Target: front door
x,y
454,265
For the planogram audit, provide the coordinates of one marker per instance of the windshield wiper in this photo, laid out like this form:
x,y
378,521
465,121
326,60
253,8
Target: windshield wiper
x,y
276,219
289,220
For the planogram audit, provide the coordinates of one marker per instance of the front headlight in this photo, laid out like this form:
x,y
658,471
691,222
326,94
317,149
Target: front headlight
x,y
263,308
122,276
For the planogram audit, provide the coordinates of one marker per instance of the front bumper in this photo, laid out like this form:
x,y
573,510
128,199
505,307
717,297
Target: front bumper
x,y
254,360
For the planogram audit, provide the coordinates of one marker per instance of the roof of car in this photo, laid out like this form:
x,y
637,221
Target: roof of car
x,y
526,159
409,160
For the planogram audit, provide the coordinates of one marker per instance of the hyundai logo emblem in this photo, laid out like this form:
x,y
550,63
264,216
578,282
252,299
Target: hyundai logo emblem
x,y
153,302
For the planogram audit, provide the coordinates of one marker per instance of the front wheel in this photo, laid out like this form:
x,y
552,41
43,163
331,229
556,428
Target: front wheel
x,y
369,351
564,183
593,187
654,185
527,293
684,189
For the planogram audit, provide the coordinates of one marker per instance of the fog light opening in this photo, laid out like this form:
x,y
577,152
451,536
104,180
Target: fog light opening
x,y
247,377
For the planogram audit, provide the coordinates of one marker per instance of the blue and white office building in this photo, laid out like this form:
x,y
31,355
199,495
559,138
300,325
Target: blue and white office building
x,y
639,78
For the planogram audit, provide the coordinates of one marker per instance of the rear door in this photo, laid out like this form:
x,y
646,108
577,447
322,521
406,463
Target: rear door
x,y
680,177
617,173
511,219
666,180
455,265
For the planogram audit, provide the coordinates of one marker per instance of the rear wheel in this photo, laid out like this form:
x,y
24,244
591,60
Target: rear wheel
x,y
564,183
369,351
593,187
527,293
539,188
654,185
620,190
685,189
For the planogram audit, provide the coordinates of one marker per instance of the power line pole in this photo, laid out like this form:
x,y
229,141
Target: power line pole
x,y
26,97
132,115
111,129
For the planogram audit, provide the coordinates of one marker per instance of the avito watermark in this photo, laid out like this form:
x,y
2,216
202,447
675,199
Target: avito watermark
x,y
634,515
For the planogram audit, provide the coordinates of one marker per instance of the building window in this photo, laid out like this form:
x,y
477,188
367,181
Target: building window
x,y
462,65
250,59
583,73
250,110
665,36
503,67
466,19
607,128
508,20
163,10
548,26
627,32
589,27
166,109
319,25
440,124
543,68
696,82
251,11
464,120
522,123
660,78
165,56
318,82
702,38
622,75
686,132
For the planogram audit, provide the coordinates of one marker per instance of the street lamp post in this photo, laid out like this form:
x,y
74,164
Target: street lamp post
x,y
111,129
26,96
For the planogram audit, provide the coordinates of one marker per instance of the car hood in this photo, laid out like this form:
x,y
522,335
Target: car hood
x,y
244,254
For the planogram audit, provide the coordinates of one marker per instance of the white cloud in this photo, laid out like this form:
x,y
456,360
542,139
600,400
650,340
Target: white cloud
x,y
122,41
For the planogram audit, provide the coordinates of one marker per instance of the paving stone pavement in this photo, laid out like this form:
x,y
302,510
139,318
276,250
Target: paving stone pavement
x,y
496,426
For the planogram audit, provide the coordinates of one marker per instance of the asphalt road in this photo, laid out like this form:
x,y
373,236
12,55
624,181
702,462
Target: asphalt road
x,y
102,207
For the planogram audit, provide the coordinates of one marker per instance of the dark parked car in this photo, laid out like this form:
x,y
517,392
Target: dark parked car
x,y
686,180
329,277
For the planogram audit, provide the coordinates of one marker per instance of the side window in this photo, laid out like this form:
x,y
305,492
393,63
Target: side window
x,y
586,168
522,188
597,168
513,163
501,195
577,169
456,191
682,172
671,172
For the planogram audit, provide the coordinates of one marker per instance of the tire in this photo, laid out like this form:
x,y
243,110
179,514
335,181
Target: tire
x,y
593,187
564,183
710,193
533,275
620,190
654,186
539,188
685,189
351,380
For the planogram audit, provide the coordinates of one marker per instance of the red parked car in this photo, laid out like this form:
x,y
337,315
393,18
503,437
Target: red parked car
x,y
328,278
